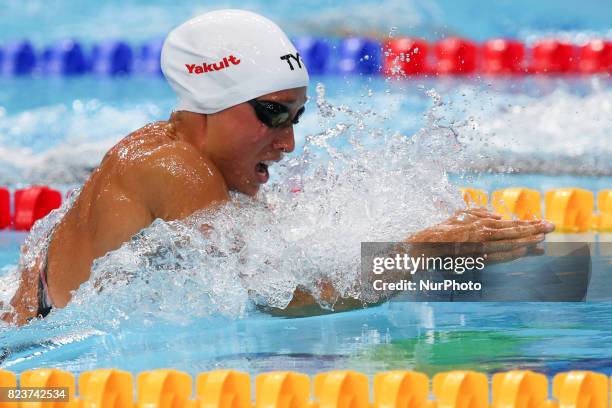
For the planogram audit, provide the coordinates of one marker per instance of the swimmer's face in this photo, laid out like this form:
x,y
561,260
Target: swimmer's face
x,y
243,147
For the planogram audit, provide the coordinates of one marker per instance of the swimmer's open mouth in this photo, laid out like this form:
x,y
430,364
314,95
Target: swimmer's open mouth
x,y
262,170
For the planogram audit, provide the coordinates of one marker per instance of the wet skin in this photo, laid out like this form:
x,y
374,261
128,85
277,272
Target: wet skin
x,y
171,169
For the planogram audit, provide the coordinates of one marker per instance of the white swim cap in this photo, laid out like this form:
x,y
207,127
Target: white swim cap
x,y
226,57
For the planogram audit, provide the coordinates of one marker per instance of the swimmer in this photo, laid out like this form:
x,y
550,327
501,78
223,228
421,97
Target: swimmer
x,y
241,87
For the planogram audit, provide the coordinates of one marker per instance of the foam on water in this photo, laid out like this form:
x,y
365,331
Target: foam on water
x,y
9,281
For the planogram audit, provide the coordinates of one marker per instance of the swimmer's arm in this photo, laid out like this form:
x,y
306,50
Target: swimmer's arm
x,y
466,233
24,303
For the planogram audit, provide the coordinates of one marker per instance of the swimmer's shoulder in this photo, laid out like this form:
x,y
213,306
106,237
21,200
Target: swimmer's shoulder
x,y
171,176
137,144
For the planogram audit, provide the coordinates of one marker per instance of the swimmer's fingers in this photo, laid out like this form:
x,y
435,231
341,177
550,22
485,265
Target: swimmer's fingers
x,y
474,248
482,230
511,244
479,248
519,230
482,212
472,215
499,223
495,251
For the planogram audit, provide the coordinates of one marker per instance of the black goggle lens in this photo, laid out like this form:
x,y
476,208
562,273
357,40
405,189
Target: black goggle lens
x,y
273,114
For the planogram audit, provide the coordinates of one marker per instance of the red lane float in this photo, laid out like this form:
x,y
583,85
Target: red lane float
x,y
595,56
405,56
5,208
456,56
553,57
32,204
501,56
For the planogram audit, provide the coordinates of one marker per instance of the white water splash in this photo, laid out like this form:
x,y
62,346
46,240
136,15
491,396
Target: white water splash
x,y
9,281
559,133
257,252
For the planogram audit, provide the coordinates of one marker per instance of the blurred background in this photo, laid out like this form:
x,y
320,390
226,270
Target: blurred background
x,y
77,76
43,21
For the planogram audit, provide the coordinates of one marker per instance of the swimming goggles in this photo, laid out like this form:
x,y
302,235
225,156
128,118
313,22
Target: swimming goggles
x,y
274,114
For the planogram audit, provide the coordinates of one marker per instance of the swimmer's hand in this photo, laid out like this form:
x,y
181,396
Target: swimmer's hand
x,y
478,231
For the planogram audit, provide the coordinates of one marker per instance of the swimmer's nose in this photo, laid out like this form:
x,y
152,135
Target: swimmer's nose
x,y
285,141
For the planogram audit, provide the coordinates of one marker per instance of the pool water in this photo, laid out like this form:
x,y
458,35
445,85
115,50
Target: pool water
x,y
486,133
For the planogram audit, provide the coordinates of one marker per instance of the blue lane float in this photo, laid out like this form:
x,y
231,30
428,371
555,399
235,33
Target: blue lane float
x,y
112,58
323,56
359,56
64,58
316,54
148,57
18,58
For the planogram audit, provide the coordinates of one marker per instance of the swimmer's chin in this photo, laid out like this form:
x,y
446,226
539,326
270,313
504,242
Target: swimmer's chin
x,y
250,190
252,187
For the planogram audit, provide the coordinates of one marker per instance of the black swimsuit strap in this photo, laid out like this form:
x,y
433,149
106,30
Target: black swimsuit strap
x,y
43,308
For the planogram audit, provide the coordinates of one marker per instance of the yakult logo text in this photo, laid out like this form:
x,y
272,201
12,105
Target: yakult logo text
x,y
201,69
